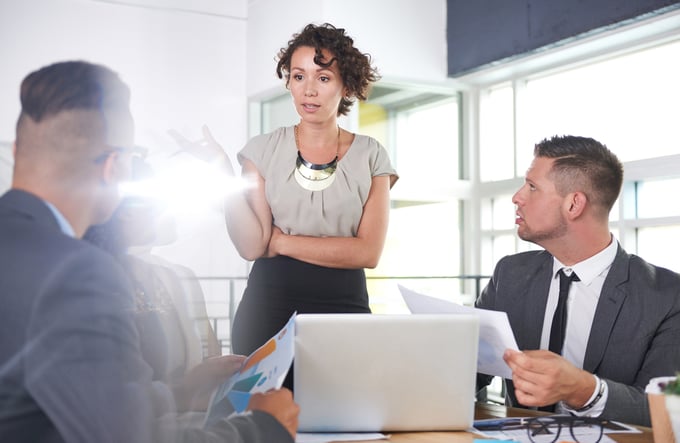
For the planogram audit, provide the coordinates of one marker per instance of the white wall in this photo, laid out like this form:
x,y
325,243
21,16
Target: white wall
x,y
183,68
406,38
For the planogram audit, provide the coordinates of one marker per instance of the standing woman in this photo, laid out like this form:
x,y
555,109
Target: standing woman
x,y
318,214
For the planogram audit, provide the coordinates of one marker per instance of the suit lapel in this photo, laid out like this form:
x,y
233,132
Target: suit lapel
x,y
533,284
609,305
534,306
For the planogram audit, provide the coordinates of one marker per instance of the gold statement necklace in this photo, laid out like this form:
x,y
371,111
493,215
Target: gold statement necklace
x,y
313,176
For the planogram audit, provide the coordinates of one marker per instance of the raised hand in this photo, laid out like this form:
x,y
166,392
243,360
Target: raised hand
x,y
206,149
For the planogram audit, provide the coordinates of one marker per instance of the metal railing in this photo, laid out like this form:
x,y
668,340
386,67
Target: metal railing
x,y
221,324
493,393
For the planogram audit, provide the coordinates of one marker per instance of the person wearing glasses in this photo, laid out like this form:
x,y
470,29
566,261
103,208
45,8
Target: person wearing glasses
x,y
317,214
169,337
594,323
70,362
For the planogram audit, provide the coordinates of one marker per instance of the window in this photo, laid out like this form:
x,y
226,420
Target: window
x,y
427,148
497,140
653,198
628,103
497,223
655,220
659,245
420,128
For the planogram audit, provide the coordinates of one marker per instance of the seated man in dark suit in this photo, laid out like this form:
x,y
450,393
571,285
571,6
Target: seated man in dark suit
x,y
70,362
594,323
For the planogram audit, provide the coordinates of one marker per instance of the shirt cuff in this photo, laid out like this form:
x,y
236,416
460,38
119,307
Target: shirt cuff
x,y
595,404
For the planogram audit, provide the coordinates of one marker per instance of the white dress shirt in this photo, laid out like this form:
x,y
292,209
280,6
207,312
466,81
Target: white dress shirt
x,y
64,225
581,304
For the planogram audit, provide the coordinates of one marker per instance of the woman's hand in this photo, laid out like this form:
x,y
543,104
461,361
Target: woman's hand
x,y
206,149
272,248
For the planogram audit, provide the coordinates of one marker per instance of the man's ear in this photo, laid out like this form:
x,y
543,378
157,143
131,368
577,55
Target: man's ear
x,y
110,169
575,203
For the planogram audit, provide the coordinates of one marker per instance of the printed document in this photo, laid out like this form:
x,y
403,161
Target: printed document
x,y
495,334
264,369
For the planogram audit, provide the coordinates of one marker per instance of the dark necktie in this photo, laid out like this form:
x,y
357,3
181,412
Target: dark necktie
x,y
559,322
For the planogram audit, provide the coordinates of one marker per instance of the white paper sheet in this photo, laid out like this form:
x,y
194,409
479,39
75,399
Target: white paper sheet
x,y
495,334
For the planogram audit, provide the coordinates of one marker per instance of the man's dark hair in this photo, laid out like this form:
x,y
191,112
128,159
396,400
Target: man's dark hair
x,y
71,85
355,67
583,164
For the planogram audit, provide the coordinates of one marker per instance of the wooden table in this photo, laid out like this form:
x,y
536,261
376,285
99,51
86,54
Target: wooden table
x,y
484,410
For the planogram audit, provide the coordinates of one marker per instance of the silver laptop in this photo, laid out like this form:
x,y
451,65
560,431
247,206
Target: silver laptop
x,y
369,372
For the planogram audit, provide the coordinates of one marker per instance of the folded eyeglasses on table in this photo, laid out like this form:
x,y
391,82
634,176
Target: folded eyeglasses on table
x,y
548,429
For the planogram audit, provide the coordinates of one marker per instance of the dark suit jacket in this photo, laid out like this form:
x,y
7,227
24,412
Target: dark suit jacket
x,y
70,364
635,333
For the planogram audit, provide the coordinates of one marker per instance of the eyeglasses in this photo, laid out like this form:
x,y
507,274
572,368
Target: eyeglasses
x,y
582,429
135,151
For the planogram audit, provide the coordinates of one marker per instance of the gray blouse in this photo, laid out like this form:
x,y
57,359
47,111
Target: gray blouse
x,y
333,212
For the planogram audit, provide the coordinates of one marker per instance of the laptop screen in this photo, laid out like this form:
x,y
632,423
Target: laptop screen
x,y
368,372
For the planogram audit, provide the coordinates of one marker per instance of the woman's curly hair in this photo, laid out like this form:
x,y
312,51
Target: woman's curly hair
x,y
355,67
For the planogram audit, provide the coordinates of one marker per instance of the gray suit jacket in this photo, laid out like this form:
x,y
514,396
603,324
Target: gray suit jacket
x,y
70,364
635,333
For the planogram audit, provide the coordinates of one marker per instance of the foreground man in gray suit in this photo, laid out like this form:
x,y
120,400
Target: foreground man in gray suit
x,y
70,363
622,314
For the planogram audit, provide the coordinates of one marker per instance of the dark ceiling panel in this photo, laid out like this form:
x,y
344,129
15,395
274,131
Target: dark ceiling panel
x,y
480,32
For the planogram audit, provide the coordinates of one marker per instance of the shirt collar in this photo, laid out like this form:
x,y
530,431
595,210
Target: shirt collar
x,y
64,225
591,267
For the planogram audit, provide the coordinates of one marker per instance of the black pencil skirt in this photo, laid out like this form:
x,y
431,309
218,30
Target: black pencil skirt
x,y
281,285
